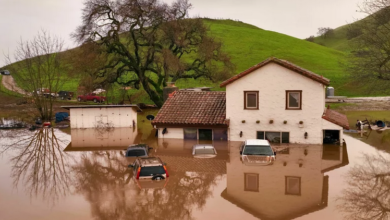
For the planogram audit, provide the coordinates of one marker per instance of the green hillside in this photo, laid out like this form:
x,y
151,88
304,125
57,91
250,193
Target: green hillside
x,y
249,45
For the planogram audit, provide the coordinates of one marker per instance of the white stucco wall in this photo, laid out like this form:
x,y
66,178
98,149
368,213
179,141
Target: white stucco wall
x,y
88,117
175,133
272,81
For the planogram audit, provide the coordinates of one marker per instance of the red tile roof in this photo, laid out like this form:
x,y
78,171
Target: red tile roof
x,y
336,118
187,108
283,63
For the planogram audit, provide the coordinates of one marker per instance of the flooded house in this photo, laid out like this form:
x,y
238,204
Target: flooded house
x,y
92,116
274,100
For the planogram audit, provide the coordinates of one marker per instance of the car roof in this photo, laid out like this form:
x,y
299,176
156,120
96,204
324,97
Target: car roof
x,y
137,146
256,142
150,161
197,146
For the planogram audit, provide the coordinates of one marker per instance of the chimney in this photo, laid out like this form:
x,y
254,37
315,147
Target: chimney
x,y
171,88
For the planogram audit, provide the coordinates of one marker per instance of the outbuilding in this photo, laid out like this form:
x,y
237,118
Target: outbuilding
x,y
92,116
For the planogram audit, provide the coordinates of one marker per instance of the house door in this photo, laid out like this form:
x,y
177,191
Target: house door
x,y
206,134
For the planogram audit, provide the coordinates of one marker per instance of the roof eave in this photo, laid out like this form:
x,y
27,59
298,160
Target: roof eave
x,y
322,80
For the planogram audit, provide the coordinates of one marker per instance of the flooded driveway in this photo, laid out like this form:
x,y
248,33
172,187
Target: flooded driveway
x,y
91,180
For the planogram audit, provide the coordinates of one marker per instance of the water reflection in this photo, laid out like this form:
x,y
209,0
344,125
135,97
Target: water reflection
x,y
367,195
98,139
40,165
107,184
293,186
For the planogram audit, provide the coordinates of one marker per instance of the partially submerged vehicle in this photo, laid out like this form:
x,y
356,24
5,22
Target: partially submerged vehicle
x,y
204,151
138,150
149,168
257,152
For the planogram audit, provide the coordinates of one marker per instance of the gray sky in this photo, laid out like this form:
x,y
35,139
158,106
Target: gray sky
x,y
298,18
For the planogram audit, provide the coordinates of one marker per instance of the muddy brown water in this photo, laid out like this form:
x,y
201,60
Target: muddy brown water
x,y
90,179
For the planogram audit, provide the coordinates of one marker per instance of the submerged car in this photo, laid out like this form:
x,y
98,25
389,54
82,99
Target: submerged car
x,y
257,152
138,150
204,151
149,168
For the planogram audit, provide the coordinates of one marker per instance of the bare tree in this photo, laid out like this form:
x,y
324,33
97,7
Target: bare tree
x,y
370,59
148,43
368,193
37,65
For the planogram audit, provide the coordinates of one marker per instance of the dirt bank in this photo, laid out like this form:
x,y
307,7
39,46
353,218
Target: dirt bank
x,y
10,84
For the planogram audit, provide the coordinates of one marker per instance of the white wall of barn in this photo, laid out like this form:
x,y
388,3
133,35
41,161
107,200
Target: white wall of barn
x,y
272,81
90,117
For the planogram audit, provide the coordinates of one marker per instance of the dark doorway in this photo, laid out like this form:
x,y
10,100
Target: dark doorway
x,y
206,134
331,137
220,134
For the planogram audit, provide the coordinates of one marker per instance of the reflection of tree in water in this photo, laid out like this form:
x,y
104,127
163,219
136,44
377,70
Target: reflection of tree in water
x,y
105,181
368,193
40,164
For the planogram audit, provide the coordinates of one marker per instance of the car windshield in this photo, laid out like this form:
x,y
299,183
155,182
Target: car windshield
x,y
204,151
151,171
135,153
257,150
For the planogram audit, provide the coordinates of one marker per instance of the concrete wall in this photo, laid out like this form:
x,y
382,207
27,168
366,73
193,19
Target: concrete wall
x,y
272,81
89,117
271,199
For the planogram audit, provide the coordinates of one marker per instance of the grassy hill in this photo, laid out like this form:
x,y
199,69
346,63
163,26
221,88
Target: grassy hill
x,y
249,45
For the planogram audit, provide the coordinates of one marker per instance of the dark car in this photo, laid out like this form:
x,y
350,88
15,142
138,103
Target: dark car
x,y
65,95
5,72
149,168
138,150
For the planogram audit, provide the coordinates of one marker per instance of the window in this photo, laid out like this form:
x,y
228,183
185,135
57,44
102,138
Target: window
x,y
251,182
294,100
190,133
274,137
251,100
293,185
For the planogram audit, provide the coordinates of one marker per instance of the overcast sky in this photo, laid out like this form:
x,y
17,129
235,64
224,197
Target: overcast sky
x,y
298,18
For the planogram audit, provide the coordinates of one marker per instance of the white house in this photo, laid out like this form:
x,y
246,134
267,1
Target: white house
x,y
92,116
274,100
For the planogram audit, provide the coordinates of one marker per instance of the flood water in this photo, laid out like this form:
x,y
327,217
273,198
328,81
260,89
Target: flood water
x,y
48,174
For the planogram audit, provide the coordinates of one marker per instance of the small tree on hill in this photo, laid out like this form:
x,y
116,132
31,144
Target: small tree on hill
x,y
39,67
149,43
325,32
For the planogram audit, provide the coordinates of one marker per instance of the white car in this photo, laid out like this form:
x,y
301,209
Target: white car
x,y
257,152
204,151
98,91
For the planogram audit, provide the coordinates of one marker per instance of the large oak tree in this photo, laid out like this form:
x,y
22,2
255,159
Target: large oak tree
x,y
149,43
